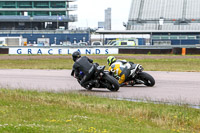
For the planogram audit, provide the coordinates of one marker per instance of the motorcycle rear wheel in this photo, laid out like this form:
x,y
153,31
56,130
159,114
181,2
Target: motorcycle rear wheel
x,y
88,88
147,79
112,83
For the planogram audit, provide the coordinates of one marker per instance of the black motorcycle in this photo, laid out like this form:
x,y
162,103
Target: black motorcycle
x,y
137,76
104,80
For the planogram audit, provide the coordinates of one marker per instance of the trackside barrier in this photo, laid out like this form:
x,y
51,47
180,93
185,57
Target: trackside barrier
x,y
4,50
98,50
192,50
145,51
187,51
178,51
55,51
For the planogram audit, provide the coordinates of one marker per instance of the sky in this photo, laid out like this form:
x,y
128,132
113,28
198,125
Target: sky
x,y
90,12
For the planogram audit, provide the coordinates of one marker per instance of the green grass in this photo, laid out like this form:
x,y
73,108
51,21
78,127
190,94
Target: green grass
x,y
35,112
164,64
36,64
31,111
181,65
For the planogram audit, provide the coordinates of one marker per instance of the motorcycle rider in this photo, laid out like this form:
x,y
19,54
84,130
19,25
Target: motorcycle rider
x,y
85,65
120,68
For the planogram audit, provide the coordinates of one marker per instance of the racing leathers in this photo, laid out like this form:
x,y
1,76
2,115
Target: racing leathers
x,y
121,68
83,65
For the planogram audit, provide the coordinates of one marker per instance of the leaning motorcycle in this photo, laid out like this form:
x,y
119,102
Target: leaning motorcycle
x,y
137,76
104,80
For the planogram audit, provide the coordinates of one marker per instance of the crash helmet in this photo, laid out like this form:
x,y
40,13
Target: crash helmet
x,y
76,55
110,60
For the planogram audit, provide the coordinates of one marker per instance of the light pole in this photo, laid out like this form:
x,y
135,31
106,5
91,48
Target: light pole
x,y
58,18
57,21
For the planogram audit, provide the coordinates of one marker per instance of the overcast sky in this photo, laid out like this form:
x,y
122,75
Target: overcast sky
x,y
91,11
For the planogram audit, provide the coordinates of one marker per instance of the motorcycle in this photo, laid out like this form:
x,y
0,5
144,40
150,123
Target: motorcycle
x,y
137,76
104,80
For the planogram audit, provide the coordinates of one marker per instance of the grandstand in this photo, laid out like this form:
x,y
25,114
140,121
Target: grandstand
x,y
164,15
36,14
171,22
39,22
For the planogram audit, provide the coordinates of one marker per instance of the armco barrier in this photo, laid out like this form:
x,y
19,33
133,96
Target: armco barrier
x,y
4,50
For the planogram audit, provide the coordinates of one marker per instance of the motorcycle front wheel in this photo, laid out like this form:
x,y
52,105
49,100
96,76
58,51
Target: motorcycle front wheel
x,y
147,79
111,82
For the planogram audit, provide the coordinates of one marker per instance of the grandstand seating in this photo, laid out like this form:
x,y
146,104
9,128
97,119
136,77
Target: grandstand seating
x,y
151,10
177,15
193,9
135,7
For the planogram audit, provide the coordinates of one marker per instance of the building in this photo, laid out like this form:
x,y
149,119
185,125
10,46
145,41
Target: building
x,y
100,25
44,22
170,22
107,22
36,14
164,15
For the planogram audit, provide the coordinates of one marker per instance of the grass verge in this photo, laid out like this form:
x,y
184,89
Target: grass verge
x,y
31,111
164,63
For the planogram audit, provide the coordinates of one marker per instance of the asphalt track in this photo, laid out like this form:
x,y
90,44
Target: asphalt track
x,y
173,87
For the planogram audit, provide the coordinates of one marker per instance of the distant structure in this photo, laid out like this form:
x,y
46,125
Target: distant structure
x,y
107,23
163,22
36,14
164,15
100,25
39,23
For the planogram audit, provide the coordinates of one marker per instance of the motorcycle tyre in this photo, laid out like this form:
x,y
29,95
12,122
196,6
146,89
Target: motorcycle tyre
x,y
147,78
112,81
89,89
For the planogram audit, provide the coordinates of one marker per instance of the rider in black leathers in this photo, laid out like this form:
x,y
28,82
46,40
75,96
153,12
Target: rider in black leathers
x,y
85,65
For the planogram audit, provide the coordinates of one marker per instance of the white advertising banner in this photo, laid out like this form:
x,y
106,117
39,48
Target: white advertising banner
x,y
54,51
